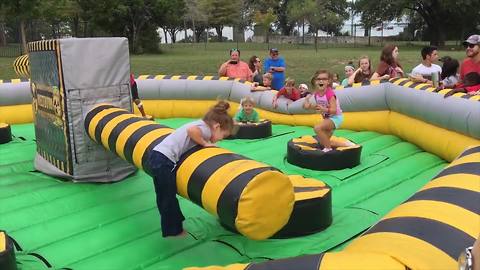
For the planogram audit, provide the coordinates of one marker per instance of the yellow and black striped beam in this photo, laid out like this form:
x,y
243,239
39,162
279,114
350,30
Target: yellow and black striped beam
x,y
240,191
21,65
428,231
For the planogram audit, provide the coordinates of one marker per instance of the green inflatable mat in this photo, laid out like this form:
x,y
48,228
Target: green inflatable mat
x,y
117,226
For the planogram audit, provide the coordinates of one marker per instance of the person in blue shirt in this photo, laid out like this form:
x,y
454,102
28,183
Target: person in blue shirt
x,y
276,66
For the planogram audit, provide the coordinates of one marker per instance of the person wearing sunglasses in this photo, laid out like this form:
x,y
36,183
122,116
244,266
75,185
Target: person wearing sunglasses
x,y
255,65
471,63
276,66
235,68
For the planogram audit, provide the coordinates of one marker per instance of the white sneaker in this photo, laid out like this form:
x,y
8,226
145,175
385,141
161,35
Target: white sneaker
x,y
325,150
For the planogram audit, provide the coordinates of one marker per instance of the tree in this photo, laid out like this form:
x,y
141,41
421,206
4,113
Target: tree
x,y
23,11
170,17
221,13
440,16
265,20
325,15
196,17
298,14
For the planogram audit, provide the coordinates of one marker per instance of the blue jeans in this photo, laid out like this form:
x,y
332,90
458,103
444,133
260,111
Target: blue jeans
x,y
163,173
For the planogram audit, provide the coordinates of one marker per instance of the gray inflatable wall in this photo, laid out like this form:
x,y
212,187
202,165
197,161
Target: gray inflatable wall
x,y
67,80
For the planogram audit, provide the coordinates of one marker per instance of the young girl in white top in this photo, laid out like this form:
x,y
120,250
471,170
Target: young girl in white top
x,y
214,126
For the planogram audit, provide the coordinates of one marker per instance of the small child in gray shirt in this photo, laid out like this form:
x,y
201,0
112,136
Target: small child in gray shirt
x,y
214,126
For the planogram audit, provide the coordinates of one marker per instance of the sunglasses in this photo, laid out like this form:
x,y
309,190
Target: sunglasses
x,y
469,45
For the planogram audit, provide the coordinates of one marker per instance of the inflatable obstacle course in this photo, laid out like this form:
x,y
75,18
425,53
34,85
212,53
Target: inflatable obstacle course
x,y
247,196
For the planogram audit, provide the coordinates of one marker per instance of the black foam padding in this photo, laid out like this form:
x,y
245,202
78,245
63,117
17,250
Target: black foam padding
x,y
323,161
253,130
5,134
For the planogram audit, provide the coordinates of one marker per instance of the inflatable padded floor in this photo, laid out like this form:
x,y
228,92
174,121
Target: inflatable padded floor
x,y
117,225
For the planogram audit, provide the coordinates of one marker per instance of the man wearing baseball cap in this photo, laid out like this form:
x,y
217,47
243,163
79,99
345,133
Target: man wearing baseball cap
x,y
276,66
471,64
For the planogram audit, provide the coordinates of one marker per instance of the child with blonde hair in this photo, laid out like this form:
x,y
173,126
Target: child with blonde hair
x,y
247,113
289,91
265,85
215,125
327,104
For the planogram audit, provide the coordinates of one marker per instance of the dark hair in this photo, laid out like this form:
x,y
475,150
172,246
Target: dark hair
x,y
387,56
234,50
428,50
251,62
318,72
449,67
218,114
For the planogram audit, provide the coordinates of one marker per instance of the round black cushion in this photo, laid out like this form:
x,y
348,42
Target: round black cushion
x,y
258,130
7,253
5,133
306,152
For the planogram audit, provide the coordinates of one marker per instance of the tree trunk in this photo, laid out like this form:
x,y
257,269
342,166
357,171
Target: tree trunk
x,y
437,37
316,44
218,29
23,36
303,31
172,32
3,38
194,31
76,27
165,35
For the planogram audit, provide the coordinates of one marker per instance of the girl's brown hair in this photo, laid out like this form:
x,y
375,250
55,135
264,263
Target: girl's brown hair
x,y
387,54
219,114
318,72
251,63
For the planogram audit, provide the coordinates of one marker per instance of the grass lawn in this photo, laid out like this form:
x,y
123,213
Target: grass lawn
x,y
302,60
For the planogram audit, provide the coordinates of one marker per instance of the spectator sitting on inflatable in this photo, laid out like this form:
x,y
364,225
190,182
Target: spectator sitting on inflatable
x,y
335,80
303,88
135,97
247,113
389,67
471,64
363,72
327,104
449,77
349,70
255,65
265,85
289,91
235,68
423,72
470,68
